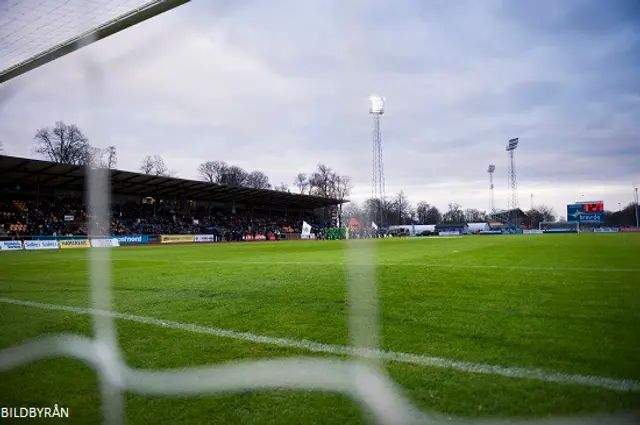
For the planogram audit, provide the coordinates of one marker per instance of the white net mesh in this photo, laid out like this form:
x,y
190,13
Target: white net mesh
x,y
362,378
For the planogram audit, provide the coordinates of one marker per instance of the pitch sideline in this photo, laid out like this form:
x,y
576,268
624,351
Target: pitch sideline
x,y
510,372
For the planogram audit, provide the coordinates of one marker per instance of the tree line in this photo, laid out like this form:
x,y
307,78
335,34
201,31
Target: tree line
x,y
399,211
67,144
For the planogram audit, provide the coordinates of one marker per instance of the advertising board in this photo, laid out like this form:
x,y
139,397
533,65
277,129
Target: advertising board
x,y
606,230
490,232
176,238
533,232
131,239
586,212
204,238
74,243
104,243
33,245
10,245
456,233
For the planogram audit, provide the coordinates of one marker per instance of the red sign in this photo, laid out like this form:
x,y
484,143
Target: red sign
x,y
248,237
630,229
272,237
260,238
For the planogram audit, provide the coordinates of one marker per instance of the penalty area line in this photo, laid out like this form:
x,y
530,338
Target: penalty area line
x,y
415,359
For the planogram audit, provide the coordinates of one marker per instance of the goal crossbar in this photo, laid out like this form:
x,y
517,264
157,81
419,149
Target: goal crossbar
x,y
112,26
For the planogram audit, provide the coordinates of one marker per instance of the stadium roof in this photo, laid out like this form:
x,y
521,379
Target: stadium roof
x,y
23,171
518,211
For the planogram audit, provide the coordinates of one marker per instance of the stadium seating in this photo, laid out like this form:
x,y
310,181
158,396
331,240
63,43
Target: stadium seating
x,y
68,217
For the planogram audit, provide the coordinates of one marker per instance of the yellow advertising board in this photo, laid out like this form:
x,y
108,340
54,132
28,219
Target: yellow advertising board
x,y
74,243
176,238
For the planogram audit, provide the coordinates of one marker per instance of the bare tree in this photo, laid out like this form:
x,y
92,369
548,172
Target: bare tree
x,y
64,144
257,180
147,166
281,188
111,161
234,176
341,187
321,181
301,182
155,166
212,171
160,166
400,209
454,215
473,215
541,214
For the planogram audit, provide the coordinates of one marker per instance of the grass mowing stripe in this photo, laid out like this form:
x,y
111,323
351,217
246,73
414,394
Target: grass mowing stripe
x,y
511,372
334,263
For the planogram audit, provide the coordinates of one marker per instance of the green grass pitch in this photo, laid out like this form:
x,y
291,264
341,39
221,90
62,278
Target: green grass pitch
x,y
563,303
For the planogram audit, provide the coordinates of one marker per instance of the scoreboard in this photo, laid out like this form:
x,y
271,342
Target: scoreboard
x,y
586,212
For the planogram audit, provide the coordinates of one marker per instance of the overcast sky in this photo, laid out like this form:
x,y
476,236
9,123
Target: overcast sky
x,y
281,85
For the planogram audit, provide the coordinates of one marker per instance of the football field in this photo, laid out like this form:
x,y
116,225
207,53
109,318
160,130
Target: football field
x,y
477,326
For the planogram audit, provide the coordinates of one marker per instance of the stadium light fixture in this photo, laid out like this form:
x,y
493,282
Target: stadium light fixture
x,y
377,105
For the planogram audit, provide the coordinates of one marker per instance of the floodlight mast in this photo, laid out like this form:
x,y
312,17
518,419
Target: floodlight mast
x,y
376,109
492,202
636,199
513,182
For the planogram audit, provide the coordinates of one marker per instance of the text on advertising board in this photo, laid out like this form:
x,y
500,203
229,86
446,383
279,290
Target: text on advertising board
x,y
10,245
104,243
176,238
29,245
131,239
74,243
585,213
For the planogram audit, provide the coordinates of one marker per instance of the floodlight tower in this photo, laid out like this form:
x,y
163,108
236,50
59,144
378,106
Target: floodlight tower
x,y
492,202
635,195
513,182
376,109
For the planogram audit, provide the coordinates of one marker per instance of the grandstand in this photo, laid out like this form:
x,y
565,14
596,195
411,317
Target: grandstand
x,y
506,217
45,198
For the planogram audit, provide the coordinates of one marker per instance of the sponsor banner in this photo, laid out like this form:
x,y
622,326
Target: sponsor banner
x,y
176,238
630,229
74,243
490,232
533,232
204,238
260,238
131,239
272,237
41,245
456,233
312,236
69,218
606,230
248,237
560,231
104,243
10,245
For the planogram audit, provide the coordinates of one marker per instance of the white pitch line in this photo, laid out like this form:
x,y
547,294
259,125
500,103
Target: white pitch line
x,y
510,372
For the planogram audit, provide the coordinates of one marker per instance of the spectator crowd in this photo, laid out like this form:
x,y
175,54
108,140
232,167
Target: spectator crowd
x,y
69,217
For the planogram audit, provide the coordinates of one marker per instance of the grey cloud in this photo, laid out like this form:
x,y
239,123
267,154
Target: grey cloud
x,y
280,86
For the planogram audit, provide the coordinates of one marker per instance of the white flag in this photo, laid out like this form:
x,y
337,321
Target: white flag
x,y
374,225
306,230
